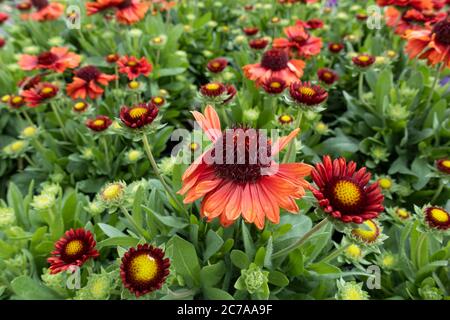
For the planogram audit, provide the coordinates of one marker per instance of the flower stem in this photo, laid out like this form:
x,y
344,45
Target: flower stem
x,y
438,191
169,190
361,87
334,254
58,118
291,146
436,79
142,232
105,147
300,241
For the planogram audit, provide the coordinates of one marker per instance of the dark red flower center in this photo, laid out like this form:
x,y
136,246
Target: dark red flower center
x,y
245,154
125,4
88,73
39,4
47,58
346,196
442,31
275,59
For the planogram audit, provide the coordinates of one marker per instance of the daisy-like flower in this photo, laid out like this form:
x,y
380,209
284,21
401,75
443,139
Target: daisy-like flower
x,y
274,85
327,76
364,60
134,67
99,123
402,213
368,233
72,250
250,31
217,65
16,102
144,269
335,47
127,11
46,10
86,83
80,107
112,58
57,59
217,92
158,101
417,4
299,42
430,44
411,19
258,44
351,291
285,119
112,194
250,186
345,193
437,218
275,63
24,6
138,116
443,165
311,23
305,94
40,94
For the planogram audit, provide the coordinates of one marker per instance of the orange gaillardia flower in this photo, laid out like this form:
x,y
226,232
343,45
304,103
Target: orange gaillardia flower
x,y
134,67
437,217
40,94
86,83
345,193
430,44
72,250
249,182
46,10
299,42
57,59
127,11
275,63
144,269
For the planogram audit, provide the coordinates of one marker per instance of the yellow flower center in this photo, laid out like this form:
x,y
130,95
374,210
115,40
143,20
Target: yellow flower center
x,y
439,215
369,233
79,106
385,183
402,213
275,19
6,98
112,191
143,268
347,193
17,99
446,163
158,100
137,112
353,294
131,63
388,260
391,54
306,91
134,155
212,86
74,247
47,90
354,251
99,122
17,146
157,40
286,118
29,131
363,58
275,85
335,47
134,84
216,64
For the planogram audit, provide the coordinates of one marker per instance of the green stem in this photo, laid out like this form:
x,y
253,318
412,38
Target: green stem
x,y
58,118
361,87
169,190
25,114
436,79
142,232
300,241
334,254
291,146
105,147
438,191
29,160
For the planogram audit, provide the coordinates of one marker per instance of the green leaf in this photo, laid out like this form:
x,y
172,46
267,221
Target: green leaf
x,y
118,241
213,244
323,268
211,275
216,294
248,241
170,221
27,288
184,260
110,231
279,279
240,259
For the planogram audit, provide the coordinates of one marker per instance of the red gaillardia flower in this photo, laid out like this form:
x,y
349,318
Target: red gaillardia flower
x,y
72,250
86,83
158,101
99,123
3,17
144,269
46,10
274,85
213,89
363,60
299,42
2,42
217,65
57,59
127,11
345,194
285,119
138,116
443,165
335,47
417,4
258,44
252,185
134,67
80,107
310,24
24,6
16,102
112,58
430,44
275,63
327,76
231,92
437,217
307,94
40,94
250,31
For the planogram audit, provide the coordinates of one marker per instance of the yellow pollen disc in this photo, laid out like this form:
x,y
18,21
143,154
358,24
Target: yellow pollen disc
x,y
17,99
391,54
385,183
131,63
354,251
99,122
74,247
347,193
112,191
388,261
446,163
363,58
157,100
402,213
47,90
276,19
212,86
143,268
327,75
216,64
137,112
275,85
335,46
79,106
157,40
286,118
6,98
306,91
134,84
439,215
29,131
367,235
17,146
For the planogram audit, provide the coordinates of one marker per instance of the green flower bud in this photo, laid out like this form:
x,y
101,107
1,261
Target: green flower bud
x,y
43,201
99,287
251,114
254,278
7,217
350,291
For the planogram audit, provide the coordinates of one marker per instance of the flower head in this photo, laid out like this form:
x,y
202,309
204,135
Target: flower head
x,y
217,65
363,61
43,201
351,291
46,10
345,193
139,115
273,85
327,76
368,233
306,94
134,67
16,102
99,123
335,47
16,148
112,194
158,101
40,94
258,44
72,250
443,165
112,58
437,218
58,59
144,269
80,107
87,81
7,217
250,31
126,11
299,42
